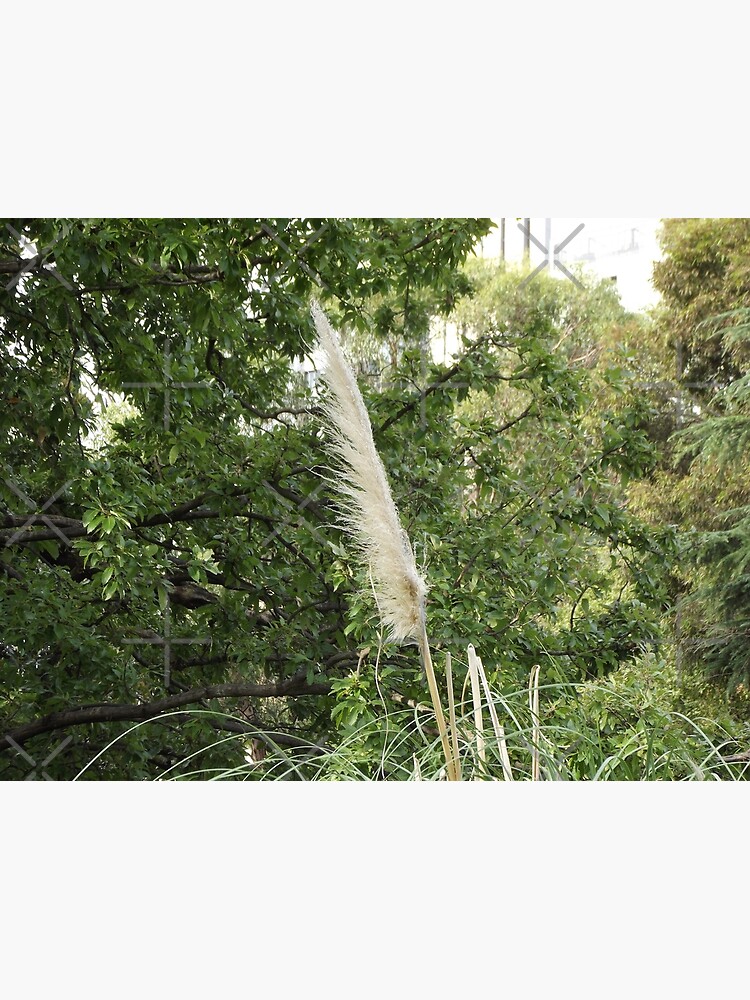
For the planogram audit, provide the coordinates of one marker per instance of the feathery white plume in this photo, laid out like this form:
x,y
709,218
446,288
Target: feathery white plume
x,y
370,514
371,517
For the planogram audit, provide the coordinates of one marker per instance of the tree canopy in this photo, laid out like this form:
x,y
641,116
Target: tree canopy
x,y
177,591
704,279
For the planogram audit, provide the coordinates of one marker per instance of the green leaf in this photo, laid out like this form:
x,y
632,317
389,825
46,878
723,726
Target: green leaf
x,y
91,518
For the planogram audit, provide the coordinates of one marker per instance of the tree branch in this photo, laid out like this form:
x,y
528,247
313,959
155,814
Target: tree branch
x,y
446,376
293,687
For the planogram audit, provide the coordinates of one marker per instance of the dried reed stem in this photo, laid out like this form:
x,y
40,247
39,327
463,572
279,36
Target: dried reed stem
x,y
536,726
476,697
499,730
452,713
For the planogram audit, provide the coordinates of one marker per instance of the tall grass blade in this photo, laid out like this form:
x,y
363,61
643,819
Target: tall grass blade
x,y
499,731
476,697
536,727
452,713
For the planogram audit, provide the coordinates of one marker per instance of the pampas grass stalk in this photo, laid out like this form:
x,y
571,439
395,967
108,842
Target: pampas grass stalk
x,y
451,765
370,515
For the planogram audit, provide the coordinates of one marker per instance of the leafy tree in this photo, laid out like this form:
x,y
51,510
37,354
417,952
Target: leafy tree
x,y
704,486
174,553
170,551
705,272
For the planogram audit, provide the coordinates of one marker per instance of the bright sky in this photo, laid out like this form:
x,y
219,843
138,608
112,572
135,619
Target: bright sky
x,y
621,248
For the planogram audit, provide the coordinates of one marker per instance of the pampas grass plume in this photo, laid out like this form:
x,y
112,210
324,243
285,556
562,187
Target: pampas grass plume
x,y
370,514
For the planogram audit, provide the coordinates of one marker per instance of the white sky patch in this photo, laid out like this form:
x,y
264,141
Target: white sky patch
x,y
623,249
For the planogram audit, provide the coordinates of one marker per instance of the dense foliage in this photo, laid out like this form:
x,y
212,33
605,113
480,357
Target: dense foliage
x,y
174,575
704,484
168,550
